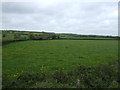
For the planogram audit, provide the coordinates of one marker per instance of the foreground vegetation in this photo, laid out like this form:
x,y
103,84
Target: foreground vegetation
x,y
104,76
61,63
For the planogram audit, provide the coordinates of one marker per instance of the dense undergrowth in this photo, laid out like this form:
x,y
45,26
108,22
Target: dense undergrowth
x,y
102,76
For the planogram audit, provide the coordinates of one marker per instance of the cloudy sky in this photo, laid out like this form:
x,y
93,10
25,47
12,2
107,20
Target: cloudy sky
x,y
100,18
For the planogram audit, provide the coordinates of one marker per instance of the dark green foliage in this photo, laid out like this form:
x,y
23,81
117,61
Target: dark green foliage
x,y
103,76
31,36
60,76
32,77
58,37
17,36
3,35
54,37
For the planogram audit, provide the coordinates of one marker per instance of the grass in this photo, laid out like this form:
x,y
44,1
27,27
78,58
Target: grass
x,y
50,56
95,38
104,76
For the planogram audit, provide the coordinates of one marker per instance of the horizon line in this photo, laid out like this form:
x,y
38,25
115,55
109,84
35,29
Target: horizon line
x,y
58,32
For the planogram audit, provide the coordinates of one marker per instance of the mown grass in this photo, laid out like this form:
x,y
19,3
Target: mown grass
x,y
50,56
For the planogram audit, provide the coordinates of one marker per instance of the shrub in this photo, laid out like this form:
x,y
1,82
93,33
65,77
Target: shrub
x,y
103,76
60,76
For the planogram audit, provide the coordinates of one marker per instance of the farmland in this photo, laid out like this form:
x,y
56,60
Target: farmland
x,y
11,36
60,57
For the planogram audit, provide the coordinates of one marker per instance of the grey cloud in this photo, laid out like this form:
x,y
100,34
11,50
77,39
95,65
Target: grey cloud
x,y
18,8
87,18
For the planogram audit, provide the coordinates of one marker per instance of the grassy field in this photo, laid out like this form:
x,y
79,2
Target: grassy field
x,y
88,37
50,56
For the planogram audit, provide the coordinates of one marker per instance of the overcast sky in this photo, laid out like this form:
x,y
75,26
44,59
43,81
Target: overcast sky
x,y
62,17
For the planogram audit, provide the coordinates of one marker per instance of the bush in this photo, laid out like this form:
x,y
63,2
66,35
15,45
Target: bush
x,y
60,77
103,76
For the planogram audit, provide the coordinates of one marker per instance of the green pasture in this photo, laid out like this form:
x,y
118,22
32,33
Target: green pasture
x,y
85,37
52,55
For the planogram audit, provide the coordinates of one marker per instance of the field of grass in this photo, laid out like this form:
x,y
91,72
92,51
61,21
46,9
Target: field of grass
x,y
95,38
50,56
87,37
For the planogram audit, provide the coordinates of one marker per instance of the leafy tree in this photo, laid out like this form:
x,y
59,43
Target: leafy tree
x,y
54,37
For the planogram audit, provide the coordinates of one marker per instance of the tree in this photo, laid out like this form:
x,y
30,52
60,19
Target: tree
x,y
54,37
31,36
